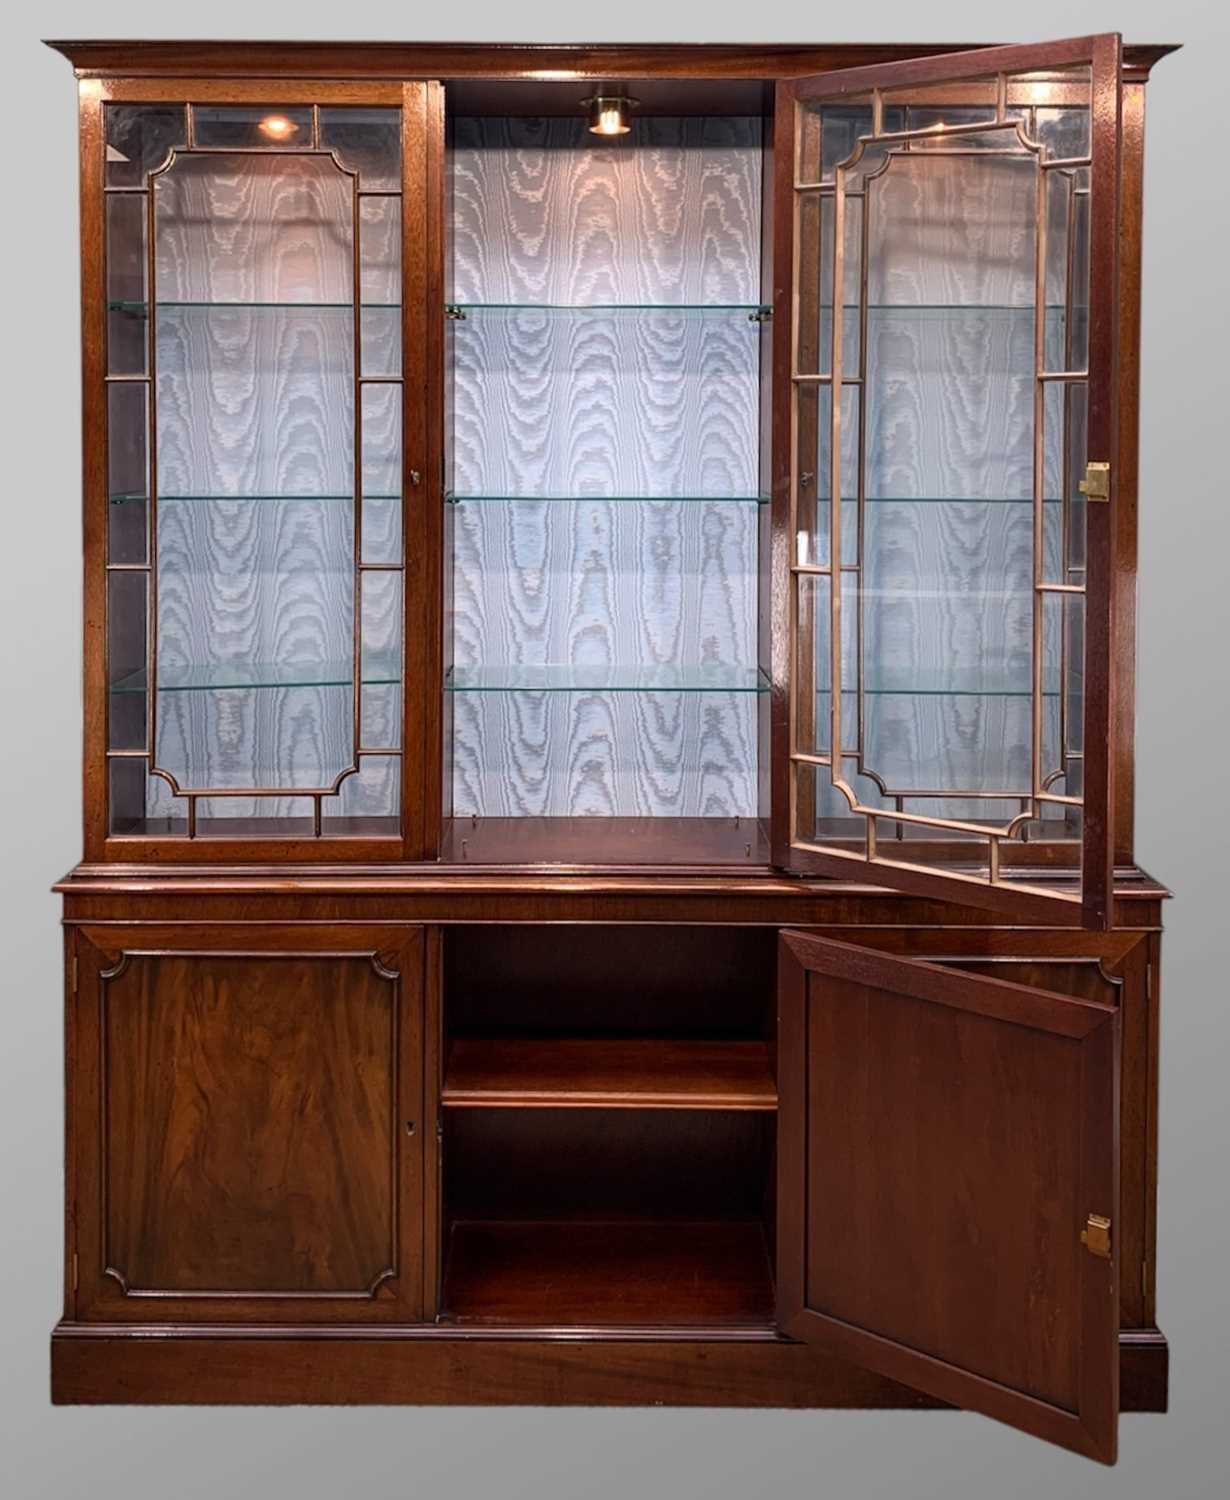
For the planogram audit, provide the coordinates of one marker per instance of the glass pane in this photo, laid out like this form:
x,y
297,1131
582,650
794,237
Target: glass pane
x,y
127,471
255,230
382,628
127,641
814,473
380,285
366,141
367,802
139,140
127,328
256,470
126,788
268,127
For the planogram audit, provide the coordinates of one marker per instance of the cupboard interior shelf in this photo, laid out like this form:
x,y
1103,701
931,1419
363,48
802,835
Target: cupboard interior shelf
x,y
378,670
567,678
608,1073
558,1273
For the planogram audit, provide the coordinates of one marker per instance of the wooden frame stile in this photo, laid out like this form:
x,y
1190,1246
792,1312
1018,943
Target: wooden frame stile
x,y
1051,1366
421,563
1106,532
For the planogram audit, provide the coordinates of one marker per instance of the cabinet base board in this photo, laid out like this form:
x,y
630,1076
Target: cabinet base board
x,y
105,1364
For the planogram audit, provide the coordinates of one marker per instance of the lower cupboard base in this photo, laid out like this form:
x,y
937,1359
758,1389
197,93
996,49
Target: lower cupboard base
x,y
95,1364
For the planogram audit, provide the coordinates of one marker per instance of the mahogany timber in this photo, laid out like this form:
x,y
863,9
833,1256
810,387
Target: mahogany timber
x,y
902,1180
615,1074
245,1144
437,1365
598,1275
253,59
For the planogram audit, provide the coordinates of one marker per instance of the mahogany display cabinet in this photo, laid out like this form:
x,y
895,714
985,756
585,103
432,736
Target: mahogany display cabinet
x,y
609,644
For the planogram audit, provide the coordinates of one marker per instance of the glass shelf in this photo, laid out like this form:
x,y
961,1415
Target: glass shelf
x,y
245,499
141,309
940,309
565,678
452,499
919,686
379,669
715,309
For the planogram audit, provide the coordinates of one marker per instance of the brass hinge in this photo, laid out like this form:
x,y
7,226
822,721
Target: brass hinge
x,y
76,973
454,313
1096,1236
1096,483
76,1270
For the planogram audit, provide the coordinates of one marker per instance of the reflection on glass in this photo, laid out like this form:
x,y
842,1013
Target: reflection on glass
x,y
140,138
267,127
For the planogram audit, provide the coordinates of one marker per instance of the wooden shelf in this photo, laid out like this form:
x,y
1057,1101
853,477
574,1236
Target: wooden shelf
x,y
589,842
606,1074
542,1274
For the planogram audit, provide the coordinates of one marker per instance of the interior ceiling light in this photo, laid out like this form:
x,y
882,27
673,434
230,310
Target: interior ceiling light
x,y
608,113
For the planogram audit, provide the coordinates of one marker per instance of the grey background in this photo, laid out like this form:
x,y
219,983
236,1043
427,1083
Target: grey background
x,y
1183,737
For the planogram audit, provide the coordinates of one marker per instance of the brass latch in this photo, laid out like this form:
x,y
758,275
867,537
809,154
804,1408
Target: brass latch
x,y
1096,483
1096,1236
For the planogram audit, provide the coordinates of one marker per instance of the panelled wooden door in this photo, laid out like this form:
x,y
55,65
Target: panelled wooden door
x,y
948,1180
945,387
245,1111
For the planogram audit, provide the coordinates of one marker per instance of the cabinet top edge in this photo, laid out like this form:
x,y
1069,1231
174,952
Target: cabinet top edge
x,y
101,58
1131,882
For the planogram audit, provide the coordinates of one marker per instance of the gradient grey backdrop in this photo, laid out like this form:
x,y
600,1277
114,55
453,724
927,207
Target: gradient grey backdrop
x,y
1183,743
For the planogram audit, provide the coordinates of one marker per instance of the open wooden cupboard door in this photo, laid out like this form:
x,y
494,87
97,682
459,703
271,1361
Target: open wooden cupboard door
x,y
945,367
947,1183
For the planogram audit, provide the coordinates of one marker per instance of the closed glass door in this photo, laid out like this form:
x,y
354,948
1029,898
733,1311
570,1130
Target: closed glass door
x,y
254,486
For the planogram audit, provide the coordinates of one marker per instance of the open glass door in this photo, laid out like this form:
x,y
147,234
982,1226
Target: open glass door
x,y
945,366
948,1170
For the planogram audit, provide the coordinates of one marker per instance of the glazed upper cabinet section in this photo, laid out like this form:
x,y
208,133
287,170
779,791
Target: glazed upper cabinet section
x,y
255,575
945,351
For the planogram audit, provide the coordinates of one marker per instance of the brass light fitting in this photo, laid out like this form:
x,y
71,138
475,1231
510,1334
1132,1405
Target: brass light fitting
x,y
608,113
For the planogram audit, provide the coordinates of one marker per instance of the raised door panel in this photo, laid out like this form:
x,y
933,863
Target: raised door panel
x,y
946,1139
247,1140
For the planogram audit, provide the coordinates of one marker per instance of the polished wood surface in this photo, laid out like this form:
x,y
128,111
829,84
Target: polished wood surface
x,y
936,1123
252,1147
497,1366
618,841
235,62
621,1074
557,1275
